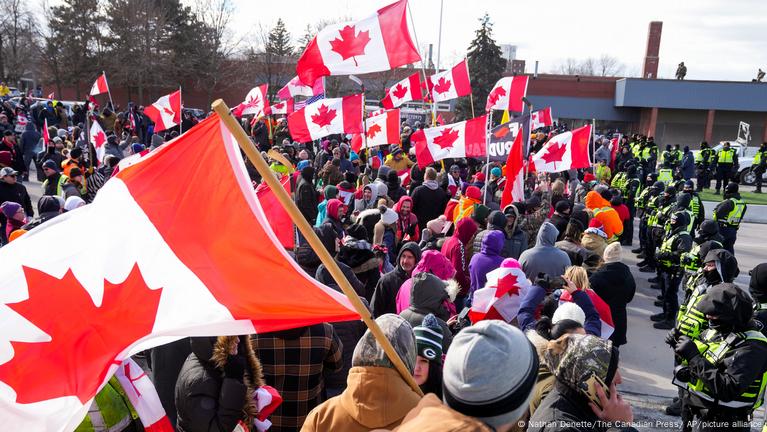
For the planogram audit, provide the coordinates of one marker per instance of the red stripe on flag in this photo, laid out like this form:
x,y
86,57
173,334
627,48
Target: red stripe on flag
x,y
352,111
415,86
392,125
310,66
475,133
579,147
461,79
396,37
514,167
299,131
517,92
278,217
422,153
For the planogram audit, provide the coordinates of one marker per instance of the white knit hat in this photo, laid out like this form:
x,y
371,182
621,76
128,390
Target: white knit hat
x,y
389,217
571,311
612,252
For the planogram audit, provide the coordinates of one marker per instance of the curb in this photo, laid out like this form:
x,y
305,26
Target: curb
x,y
755,213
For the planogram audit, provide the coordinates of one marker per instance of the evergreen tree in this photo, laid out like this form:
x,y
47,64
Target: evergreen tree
x,y
278,43
486,66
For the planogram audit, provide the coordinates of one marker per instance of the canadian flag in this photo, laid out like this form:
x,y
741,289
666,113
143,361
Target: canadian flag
x,y
255,102
507,94
166,112
514,188
383,129
295,88
276,214
100,86
283,107
409,89
99,139
46,136
615,144
457,140
451,83
603,309
71,316
52,95
568,150
377,43
326,117
541,118
502,295
143,396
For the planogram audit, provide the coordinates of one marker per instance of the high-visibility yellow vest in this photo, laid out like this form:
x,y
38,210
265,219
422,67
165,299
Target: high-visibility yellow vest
x,y
666,175
109,411
725,156
736,214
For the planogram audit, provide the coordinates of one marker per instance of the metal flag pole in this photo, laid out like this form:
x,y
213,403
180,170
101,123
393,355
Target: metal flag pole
x,y
181,114
439,49
109,92
287,203
423,63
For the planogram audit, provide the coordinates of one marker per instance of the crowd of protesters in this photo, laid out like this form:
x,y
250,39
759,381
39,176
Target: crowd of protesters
x,y
417,244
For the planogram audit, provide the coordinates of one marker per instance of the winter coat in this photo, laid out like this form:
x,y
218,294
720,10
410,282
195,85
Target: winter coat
x,y
535,295
429,201
167,361
604,213
375,398
431,262
431,415
30,140
16,193
455,249
688,166
544,257
306,195
562,410
594,242
207,400
428,294
614,283
488,259
578,254
407,228
364,264
385,293
560,223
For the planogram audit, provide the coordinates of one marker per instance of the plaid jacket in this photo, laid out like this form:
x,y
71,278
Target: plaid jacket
x,y
294,362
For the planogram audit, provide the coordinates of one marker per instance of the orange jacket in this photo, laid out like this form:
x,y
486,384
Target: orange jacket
x,y
604,213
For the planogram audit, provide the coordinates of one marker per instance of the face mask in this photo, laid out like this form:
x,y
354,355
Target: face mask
x,y
712,277
719,325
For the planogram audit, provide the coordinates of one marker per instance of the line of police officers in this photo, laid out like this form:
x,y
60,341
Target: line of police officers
x,y
720,352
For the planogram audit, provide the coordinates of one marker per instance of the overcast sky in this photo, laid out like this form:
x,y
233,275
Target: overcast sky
x,y
717,40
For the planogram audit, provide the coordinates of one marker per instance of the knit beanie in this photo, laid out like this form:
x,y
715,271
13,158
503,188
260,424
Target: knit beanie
x,y
437,225
388,216
612,252
490,372
9,208
428,339
569,311
496,172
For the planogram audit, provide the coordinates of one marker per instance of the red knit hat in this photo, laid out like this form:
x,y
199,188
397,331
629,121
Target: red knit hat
x,y
473,192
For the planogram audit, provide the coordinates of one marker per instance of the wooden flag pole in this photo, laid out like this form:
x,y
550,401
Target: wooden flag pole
x,y
311,237
109,92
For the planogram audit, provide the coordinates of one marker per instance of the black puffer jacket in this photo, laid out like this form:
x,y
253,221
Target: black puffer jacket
x,y
385,294
207,400
614,283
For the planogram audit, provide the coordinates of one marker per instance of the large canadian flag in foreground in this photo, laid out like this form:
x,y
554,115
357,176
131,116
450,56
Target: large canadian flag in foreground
x,y
382,129
166,112
377,43
507,94
451,83
326,117
457,140
565,151
409,89
69,316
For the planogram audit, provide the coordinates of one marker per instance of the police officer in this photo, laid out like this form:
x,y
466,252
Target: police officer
x,y
667,157
719,267
725,370
110,411
656,225
666,174
675,243
642,200
649,155
696,204
759,165
758,289
650,219
629,192
726,161
729,213
703,161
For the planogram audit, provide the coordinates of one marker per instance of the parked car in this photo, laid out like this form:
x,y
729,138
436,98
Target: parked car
x,y
745,175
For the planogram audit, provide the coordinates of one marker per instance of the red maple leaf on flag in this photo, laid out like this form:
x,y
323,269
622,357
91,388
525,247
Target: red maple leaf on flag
x,y
400,91
349,44
442,85
169,111
324,116
373,130
253,102
500,133
495,95
554,153
446,138
508,284
99,139
278,106
85,339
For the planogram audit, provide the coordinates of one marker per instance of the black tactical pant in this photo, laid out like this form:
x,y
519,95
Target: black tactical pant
x,y
723,173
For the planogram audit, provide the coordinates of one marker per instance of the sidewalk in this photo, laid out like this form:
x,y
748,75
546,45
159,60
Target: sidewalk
x,y
754,213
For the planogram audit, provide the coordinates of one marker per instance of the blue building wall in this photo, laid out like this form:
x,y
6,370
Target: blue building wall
x,y
585,108
698,95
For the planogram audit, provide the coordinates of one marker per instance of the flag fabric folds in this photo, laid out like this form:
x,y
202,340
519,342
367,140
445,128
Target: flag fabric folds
x,y
255,102
383,129
541,118
409,89
377,43
507,94
166,112
465,139
195,257
100,86
568,150
295,87
514,189
451,83
327,117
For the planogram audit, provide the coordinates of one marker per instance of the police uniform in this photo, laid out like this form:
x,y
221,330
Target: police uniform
x,y
729,213
723,374
650,223
703,161
696,205
759,165
674,244
110,411
726,159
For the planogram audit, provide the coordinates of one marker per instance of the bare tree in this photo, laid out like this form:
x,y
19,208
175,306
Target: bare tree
x,y
608,65
19,41
605,65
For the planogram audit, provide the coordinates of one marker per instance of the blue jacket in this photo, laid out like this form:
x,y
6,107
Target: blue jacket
x,y
688,166
30,140
536,294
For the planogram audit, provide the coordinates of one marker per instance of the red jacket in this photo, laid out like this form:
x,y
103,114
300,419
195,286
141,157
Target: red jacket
x,y
454,250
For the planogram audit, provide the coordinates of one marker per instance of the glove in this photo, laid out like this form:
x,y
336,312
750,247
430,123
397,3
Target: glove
x,y
686,348
235,367
671,338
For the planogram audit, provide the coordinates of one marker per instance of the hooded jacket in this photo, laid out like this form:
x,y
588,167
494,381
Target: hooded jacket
x,y
427,296
207,400
488,259
429,201
614,283
758,289
431,262
544,257
407,226
30,140
329,192
431,415
455,249
385,293
604,213
332,219
362,204
306,195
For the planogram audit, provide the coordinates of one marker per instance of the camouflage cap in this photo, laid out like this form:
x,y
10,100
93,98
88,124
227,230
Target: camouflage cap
x,y
576,359
399,332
